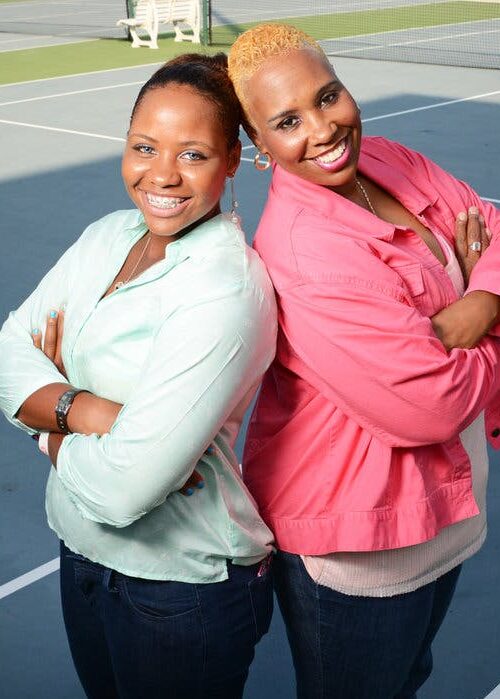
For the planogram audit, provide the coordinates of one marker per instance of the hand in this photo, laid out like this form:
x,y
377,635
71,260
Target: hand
x,y
465,322
470,229
194,482
54,329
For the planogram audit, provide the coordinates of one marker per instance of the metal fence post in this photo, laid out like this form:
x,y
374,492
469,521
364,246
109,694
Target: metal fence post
x,y
206,28
129,14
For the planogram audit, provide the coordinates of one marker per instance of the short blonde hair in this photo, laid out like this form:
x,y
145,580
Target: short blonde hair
x,y
252,48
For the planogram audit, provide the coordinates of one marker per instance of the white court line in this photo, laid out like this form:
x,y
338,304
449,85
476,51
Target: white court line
x,y
72,92
29,578
42,46
70,131
431,106
78,75
377,47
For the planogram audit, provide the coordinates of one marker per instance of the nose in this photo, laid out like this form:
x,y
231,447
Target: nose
x,y
164,171
322,128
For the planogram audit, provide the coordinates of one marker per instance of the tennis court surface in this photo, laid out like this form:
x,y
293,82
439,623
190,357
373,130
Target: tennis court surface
x,y
61,143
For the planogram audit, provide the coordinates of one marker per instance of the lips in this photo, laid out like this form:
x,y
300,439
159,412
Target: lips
x,y
335,158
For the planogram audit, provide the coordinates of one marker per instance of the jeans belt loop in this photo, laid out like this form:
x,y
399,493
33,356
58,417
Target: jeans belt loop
x,y
108,580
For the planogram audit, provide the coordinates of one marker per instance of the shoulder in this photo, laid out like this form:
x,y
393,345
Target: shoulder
x,y
223,268
107,227
392,152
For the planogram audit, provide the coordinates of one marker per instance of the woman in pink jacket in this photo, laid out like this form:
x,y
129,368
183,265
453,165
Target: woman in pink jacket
x,y
366,452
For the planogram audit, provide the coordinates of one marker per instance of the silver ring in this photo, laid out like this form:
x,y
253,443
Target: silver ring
x,y
475,246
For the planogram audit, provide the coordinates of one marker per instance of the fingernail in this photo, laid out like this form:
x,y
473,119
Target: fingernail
x,y
200,484
473,211
63,307
210,450
488,232
462,216
189,491
53,314
35,331
481,219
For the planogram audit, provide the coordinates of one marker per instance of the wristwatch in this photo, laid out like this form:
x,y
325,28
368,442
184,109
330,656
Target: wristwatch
x,y
63,407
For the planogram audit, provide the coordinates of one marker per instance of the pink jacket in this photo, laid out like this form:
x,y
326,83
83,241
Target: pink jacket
x,y
353,444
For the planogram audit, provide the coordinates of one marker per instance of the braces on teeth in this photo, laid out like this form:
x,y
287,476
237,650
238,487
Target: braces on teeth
x,y
162,202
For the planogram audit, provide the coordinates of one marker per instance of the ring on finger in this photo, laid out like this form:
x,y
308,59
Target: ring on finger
x,y
475,246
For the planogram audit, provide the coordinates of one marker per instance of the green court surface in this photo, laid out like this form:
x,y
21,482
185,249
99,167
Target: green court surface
x,y
102,54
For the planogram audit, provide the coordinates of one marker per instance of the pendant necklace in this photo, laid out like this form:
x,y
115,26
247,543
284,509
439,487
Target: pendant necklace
x,y
119,284
366,197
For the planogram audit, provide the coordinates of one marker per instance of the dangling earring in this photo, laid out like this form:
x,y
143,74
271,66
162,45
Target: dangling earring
x,y
234,204
258,161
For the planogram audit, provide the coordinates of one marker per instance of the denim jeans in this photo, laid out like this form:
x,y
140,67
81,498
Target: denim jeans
x,y
132,638
348,647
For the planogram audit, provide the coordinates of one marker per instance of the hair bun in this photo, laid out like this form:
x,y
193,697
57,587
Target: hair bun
x,y
220,61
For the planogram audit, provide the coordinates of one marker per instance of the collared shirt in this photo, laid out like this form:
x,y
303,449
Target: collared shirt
x,y
354,443
183,346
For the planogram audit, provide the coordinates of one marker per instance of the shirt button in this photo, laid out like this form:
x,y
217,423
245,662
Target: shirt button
x,y
496,432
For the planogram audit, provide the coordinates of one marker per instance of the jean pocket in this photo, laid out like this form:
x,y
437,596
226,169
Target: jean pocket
x,y
159,600
260,590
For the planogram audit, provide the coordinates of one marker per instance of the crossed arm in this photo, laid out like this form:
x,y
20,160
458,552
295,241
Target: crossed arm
x,y
89,414
462,324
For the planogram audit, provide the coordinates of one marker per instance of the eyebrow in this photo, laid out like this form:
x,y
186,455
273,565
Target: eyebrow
x,y
288,112
142,135
184,144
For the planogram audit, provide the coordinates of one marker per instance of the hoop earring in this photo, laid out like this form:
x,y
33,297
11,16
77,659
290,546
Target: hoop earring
x,y
259,165
234,204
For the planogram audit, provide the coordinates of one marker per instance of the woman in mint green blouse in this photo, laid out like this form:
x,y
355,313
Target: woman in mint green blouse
x,y
169,324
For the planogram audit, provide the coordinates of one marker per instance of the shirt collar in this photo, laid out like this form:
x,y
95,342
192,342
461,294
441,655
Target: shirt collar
x,y
316,198
217,231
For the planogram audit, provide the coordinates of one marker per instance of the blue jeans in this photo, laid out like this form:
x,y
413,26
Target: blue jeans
x,y
132,638
348,647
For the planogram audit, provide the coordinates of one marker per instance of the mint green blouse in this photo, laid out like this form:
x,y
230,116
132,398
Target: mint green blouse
x,y
183,347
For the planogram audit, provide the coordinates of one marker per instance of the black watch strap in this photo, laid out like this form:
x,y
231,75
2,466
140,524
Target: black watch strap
x,y
63,407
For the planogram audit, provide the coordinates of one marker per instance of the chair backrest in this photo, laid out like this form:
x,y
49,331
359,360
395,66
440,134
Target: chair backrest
x,y
170,10
144,10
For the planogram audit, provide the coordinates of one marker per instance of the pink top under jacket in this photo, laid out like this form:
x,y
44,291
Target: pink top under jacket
x,y
353,444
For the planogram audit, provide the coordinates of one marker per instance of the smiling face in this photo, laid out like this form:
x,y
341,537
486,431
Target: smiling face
x,y
305,119
177,159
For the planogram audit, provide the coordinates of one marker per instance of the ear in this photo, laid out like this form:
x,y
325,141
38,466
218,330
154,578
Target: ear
x,y
259,145
234,159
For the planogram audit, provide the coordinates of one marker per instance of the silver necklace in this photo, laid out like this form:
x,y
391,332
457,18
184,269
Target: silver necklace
x,y
125,281
366,197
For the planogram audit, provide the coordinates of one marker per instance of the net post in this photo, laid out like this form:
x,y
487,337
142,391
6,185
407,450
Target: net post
x,y
206,28
130,13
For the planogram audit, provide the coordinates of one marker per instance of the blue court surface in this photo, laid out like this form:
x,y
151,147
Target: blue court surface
x,y
60,169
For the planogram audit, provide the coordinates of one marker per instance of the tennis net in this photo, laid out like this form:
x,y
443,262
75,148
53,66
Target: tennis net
x,y
462,33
